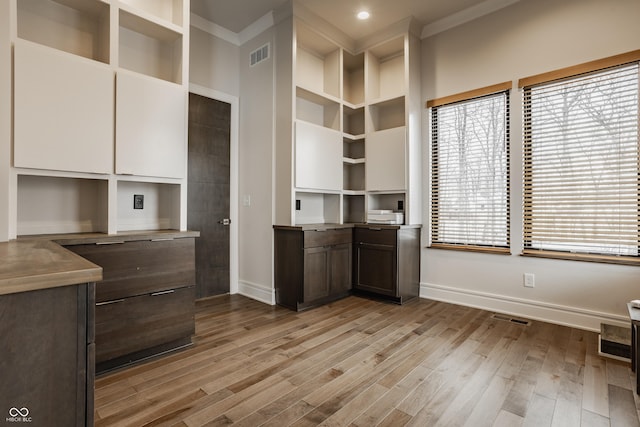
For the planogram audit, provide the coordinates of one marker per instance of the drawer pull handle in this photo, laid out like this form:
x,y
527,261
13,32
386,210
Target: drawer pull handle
x,y
162,239
117,242
375,229
115,301
155,294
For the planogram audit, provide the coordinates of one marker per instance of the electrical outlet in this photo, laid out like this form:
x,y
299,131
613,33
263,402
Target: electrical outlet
x,y
138,201
246,200
529,280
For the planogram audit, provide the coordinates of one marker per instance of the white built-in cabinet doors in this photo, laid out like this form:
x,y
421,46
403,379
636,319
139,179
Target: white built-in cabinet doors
x,y
150,127
63,110
318,157
386,159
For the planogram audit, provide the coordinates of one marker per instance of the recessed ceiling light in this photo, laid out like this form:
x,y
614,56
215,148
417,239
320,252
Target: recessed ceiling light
x,y
362,15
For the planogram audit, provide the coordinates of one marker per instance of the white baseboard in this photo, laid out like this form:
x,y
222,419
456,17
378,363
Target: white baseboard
x,y
553,313
258,292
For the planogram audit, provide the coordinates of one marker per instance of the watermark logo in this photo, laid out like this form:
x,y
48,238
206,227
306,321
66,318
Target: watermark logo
x,y
18,415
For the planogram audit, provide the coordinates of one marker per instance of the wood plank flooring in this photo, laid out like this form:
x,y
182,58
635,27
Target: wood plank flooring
x,y
359,362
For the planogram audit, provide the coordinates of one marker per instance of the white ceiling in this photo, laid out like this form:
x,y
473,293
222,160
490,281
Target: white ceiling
x,y
236,15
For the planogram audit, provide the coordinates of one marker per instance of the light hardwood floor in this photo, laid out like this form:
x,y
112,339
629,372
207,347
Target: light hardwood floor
x,y
359,362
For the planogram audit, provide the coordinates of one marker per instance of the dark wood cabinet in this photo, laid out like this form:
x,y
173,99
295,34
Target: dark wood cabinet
x,y
145,304
387,261
312,266
46,366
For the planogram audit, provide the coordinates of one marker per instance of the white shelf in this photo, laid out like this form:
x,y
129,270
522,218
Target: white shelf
x,y
165,12
56,205
149,48
317,62
318,109
352,161
386,69
161,206
353,91
318,208
79,27
353,207
353,122
387,114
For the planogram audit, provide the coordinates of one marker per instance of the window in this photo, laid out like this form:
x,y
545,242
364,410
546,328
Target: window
x,y
581,196
470,172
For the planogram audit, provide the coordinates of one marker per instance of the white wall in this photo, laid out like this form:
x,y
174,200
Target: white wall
x,y
256,171
5,119
214,63
527,38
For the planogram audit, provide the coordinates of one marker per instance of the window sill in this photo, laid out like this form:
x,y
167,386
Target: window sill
x,y
566,256
465,248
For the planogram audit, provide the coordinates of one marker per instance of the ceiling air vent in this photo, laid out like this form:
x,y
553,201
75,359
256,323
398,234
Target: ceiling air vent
x,y
259,55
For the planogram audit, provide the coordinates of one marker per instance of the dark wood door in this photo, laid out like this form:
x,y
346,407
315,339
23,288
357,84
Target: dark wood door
x,y
208,193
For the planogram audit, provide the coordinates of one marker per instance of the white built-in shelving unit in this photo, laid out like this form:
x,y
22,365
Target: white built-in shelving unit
x,y
355,143
100,114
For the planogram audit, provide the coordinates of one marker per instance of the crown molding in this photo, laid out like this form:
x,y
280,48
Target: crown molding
x,y
464,16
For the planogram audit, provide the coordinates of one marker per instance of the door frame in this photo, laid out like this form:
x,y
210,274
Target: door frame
x,y
233,176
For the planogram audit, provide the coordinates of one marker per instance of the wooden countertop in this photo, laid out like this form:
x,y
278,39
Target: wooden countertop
x,y
322,227
126,236
30,265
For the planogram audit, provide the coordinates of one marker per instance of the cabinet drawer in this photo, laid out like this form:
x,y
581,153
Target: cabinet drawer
x,y
376,236
128,325
141,267
314,238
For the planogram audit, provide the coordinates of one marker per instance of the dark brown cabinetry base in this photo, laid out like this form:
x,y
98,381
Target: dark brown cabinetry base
x,y
145,304
387,261
312,265
46,365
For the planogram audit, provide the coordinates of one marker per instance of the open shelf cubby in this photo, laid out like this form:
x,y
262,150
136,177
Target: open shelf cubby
x,y
160,206
56,205
317,208
167,10
387,114
386,70
353,78
79,27
148,48
353,209
317,62
317,109
353,120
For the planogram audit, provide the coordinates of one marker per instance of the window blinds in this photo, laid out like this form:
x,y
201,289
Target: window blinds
x,y
581,164
470,173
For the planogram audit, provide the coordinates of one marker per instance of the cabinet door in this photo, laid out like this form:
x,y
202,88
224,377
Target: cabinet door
x,y
150,127
316,274
340,268
63,111
43,366
318,157
385,160
376,268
